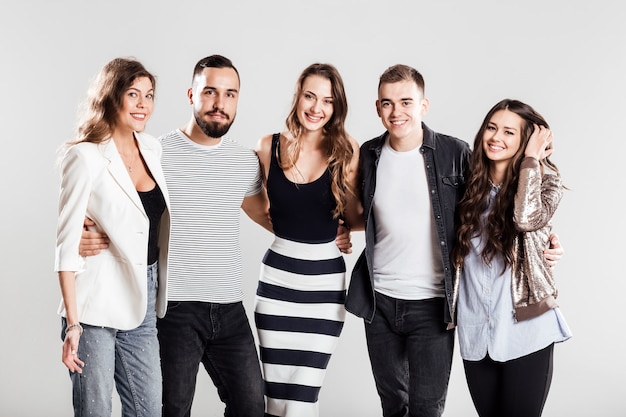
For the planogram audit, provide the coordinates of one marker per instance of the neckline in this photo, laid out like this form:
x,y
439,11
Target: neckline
x,y
495,186
298,184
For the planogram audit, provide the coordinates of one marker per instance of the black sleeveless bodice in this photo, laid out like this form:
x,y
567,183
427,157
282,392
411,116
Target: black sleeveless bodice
x,y
300,212
154,204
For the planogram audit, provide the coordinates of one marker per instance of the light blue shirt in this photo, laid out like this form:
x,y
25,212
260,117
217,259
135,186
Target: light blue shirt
x,y
485,320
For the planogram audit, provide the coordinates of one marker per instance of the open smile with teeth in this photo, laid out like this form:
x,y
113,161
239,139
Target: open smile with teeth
x,y
398,122
314,119
138,116
495,148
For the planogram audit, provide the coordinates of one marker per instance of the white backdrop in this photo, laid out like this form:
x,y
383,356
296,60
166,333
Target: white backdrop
x,y
565,58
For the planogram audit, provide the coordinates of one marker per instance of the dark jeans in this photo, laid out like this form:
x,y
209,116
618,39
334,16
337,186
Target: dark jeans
x,y
515,388
411,355
219,337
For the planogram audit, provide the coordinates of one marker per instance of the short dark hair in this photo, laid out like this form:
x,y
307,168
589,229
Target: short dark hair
x,y
213,61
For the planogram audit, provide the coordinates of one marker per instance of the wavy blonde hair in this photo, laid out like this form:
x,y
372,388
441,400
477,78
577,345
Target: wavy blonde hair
x,y
339,151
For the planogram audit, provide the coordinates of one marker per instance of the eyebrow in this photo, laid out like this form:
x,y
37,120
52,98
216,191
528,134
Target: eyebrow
x,y
504,127
136,89
313,94
208,87
402,99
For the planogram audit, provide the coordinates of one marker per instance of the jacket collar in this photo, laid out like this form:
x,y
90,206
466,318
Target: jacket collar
x,y
118,170
428,140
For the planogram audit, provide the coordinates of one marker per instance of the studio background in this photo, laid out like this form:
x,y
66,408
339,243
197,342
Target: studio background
x,y
566,59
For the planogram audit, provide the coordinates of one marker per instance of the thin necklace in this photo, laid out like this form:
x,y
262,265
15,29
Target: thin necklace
x,y
497,186
130,167
132,162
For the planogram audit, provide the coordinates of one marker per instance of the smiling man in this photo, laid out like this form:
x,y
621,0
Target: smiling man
x,y
402,283
211,178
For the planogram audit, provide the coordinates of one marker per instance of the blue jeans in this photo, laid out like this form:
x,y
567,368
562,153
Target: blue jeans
x,y
219,337
411,355
128,359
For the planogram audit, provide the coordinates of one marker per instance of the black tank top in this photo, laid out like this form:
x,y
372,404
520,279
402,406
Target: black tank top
x,y
300,212
154,204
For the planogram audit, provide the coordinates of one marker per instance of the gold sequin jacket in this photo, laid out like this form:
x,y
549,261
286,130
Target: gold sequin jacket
x,y
533,286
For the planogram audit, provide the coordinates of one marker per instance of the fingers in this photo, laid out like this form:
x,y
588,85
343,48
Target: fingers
x,y
92,234
555,244
343,239
89,252
542,134
540,143
91,243
344,243
90,247
344,247
554,252
70,354
552,256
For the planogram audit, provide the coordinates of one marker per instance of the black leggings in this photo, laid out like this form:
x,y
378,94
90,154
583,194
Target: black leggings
x,y
516,388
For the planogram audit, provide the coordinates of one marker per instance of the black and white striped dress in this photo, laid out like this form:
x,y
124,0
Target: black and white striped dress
x,y
299,308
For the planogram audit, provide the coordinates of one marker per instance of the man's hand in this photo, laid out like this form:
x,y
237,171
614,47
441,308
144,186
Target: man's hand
x,y
91,242
343,238
554,252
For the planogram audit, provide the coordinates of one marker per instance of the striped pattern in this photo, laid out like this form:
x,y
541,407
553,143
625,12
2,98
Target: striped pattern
x,y
207,186
299,316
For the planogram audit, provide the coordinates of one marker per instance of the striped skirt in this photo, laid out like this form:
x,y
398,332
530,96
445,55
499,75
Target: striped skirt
x,y
299,316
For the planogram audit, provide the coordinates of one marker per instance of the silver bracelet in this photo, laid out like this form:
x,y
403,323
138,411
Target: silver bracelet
x,y
74,326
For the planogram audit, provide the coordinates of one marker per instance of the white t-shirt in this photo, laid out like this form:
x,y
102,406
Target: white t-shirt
x,y
406,264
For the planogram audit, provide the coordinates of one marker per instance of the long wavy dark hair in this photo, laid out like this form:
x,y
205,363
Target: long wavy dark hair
x,y
500,231
339,150
105,98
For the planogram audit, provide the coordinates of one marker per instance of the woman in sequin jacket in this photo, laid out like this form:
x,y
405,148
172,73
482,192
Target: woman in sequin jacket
x,y
505,295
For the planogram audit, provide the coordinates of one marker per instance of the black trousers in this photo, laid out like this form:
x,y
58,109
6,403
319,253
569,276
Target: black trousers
x,y
516,388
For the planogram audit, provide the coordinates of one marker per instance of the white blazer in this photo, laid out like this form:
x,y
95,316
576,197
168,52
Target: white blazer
x,y
111,288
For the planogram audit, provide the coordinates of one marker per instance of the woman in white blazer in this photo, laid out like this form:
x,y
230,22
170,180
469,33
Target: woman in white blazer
x,y
112,173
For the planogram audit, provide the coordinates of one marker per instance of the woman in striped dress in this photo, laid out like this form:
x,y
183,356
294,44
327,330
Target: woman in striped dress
x,y
310,174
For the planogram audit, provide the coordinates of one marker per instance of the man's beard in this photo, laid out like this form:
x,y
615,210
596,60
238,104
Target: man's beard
x,y
213,129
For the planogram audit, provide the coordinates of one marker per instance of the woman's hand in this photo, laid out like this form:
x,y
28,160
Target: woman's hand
x,y
540,143
70,352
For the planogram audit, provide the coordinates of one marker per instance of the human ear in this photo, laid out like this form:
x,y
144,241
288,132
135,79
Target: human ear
x,y
425,105
190,95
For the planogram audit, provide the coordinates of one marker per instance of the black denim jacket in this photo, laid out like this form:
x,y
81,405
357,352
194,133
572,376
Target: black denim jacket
x,y
446,160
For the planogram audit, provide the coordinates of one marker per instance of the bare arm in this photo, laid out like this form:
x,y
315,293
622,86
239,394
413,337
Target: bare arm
x,y
72,337
354,208
257,208
353,212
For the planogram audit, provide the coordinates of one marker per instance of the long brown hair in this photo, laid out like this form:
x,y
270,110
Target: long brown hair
x,y
500,231
105,98
339,150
